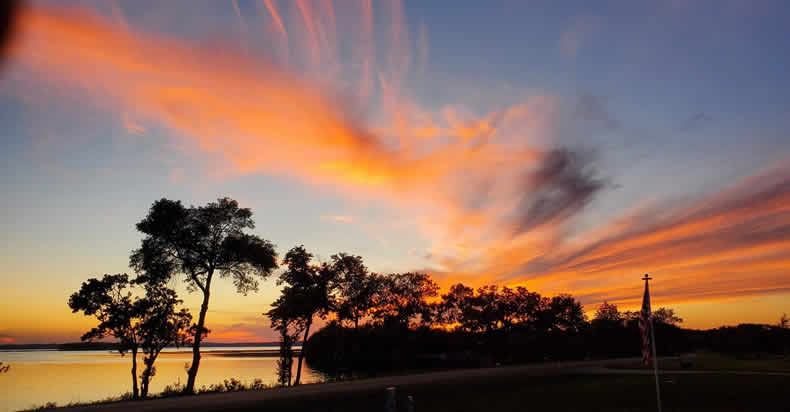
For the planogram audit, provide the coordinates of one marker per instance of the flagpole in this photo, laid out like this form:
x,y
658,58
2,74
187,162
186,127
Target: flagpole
x,y
653,345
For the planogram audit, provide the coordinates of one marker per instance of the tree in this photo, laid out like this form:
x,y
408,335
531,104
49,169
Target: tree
x,y
288,336
521,307
199,242
784,322
402,297
355,288
474,312
562,312
306,295
457,307
491,308
666,316
148,323
608,312
160,326
110,302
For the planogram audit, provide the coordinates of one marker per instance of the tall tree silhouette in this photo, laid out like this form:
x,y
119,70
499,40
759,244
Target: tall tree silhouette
x,y
354,286
110,301
199,242
286,361
305,296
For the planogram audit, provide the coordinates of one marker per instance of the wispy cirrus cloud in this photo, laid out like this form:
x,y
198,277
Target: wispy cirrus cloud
x,y
241,109
490,191
723,245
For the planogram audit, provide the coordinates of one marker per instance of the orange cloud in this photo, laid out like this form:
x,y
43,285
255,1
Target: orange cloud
x,y
259,117
492,204
723,246
133,127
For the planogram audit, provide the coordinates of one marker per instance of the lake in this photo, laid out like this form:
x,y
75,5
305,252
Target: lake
x,y
40,376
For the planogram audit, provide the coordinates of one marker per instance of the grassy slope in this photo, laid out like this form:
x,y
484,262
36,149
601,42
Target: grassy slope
x,y
718,362
567,393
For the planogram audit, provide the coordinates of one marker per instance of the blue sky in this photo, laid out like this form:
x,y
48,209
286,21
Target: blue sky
x,y
678,102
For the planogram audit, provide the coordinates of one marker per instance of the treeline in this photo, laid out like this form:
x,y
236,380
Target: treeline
x,y
376,321
486,331
382,322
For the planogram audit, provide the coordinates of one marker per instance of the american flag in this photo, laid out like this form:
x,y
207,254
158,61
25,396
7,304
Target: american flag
x,y
645,324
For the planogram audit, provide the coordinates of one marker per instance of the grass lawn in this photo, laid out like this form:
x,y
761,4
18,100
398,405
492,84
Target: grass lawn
x,y
720,362
567,393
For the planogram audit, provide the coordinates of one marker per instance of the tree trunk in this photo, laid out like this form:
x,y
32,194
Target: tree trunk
x,y
193,369
301,354
144,382
356,323
145,379
135,392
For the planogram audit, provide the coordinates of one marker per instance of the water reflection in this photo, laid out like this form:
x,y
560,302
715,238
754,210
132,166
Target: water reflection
x,y
37,377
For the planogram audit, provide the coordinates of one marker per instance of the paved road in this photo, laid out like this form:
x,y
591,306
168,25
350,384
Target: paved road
x,y
610,371
254,400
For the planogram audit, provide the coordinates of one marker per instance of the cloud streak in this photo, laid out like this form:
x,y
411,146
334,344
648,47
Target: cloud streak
x,y
723,245
494,202
259,117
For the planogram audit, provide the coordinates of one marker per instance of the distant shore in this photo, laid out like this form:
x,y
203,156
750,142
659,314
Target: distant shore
x,y
83,346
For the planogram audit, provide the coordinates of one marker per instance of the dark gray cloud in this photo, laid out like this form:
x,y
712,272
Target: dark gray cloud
x,y
746,216
560,187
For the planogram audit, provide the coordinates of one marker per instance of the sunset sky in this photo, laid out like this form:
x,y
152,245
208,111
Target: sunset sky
x,y
562,146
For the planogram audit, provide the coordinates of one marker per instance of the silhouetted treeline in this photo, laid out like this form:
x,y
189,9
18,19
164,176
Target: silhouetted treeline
x,y
499,325
377,321
400,321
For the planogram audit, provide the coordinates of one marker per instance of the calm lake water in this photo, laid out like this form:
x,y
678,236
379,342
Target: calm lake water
x,y
40,376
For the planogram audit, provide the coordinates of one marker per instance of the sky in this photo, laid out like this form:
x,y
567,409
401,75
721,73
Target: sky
x,y
569,147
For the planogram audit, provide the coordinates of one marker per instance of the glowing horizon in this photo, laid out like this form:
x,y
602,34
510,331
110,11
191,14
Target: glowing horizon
x,y
364,127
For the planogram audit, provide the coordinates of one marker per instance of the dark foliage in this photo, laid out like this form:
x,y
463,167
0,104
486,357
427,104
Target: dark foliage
x,y
148,323
401,299
491,325
286,361
199,242
110,301
748,340
306,295
354,288
160,326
